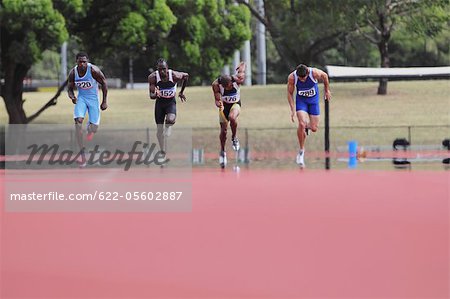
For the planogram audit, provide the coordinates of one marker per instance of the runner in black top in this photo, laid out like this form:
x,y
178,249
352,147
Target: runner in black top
x,y
163,88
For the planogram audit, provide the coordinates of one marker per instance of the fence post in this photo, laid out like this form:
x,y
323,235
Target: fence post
x,y
246,137
409,134
327,134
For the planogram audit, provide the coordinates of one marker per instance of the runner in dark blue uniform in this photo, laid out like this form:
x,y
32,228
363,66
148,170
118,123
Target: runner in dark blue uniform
x,y
305,81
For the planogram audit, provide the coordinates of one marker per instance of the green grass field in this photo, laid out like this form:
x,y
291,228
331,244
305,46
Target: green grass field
x,y
353,104
409,103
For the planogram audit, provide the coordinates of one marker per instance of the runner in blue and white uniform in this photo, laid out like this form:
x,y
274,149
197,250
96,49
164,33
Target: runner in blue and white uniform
x,y
304,80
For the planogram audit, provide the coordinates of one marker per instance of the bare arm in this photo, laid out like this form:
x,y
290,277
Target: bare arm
x,y
153,91
290,97
183,77
321,76
101,79
216,92
71,86
239,77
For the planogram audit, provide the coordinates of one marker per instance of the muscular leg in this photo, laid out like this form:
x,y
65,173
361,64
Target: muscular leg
x,y
234,113
170,121
160,116
79,136
92,128
79,131
223,135
94,119
160,135
314,122
302,117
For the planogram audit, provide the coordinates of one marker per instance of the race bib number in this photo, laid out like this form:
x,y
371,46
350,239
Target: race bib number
x,y
230,99
307,93
167,93
83,84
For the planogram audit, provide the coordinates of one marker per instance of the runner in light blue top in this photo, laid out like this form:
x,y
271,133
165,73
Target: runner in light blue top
x,y
86,77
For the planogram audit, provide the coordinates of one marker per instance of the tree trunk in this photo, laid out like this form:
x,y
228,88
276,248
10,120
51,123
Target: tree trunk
x,y
383,17
385,63
290,58
51,102
12,93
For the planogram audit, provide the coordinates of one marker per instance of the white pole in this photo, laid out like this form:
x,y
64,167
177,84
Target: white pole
x,y
130,72
226,70
261,45
63,74
236,57
236,60
247,58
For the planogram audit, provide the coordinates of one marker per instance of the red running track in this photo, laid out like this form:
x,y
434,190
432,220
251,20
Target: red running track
x,y
259,234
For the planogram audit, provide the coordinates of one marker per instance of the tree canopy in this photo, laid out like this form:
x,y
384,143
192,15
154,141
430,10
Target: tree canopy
x,y
199,35
205,36
355,32
27,28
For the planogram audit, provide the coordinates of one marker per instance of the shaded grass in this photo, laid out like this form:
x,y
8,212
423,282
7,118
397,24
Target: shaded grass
x,y
354,105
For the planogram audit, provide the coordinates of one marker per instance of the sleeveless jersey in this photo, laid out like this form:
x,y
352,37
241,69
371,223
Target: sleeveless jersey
x,y
308,90
87,86
230,96
167,89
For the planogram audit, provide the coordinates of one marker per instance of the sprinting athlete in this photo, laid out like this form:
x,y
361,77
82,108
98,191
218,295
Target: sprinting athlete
x,y
163,88
226,91
305,81
86,77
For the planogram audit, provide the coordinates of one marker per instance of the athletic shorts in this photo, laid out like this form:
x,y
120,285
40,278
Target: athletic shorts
x,y
223,115
311,107
163,107
91,107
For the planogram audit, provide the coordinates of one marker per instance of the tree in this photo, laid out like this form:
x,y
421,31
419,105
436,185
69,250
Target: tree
x,y
116,27
200,35
310,31
419,51
27,28
113,33
48,67
205,36
379,18
104,27
303,30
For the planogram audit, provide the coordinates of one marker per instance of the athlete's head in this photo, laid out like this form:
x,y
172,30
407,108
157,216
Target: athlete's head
x,y
82,60
225,81
162,67
302,71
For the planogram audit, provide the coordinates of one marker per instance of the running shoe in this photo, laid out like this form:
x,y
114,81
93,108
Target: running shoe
x,y
300,158
89,136
82,161
236,145
223,159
